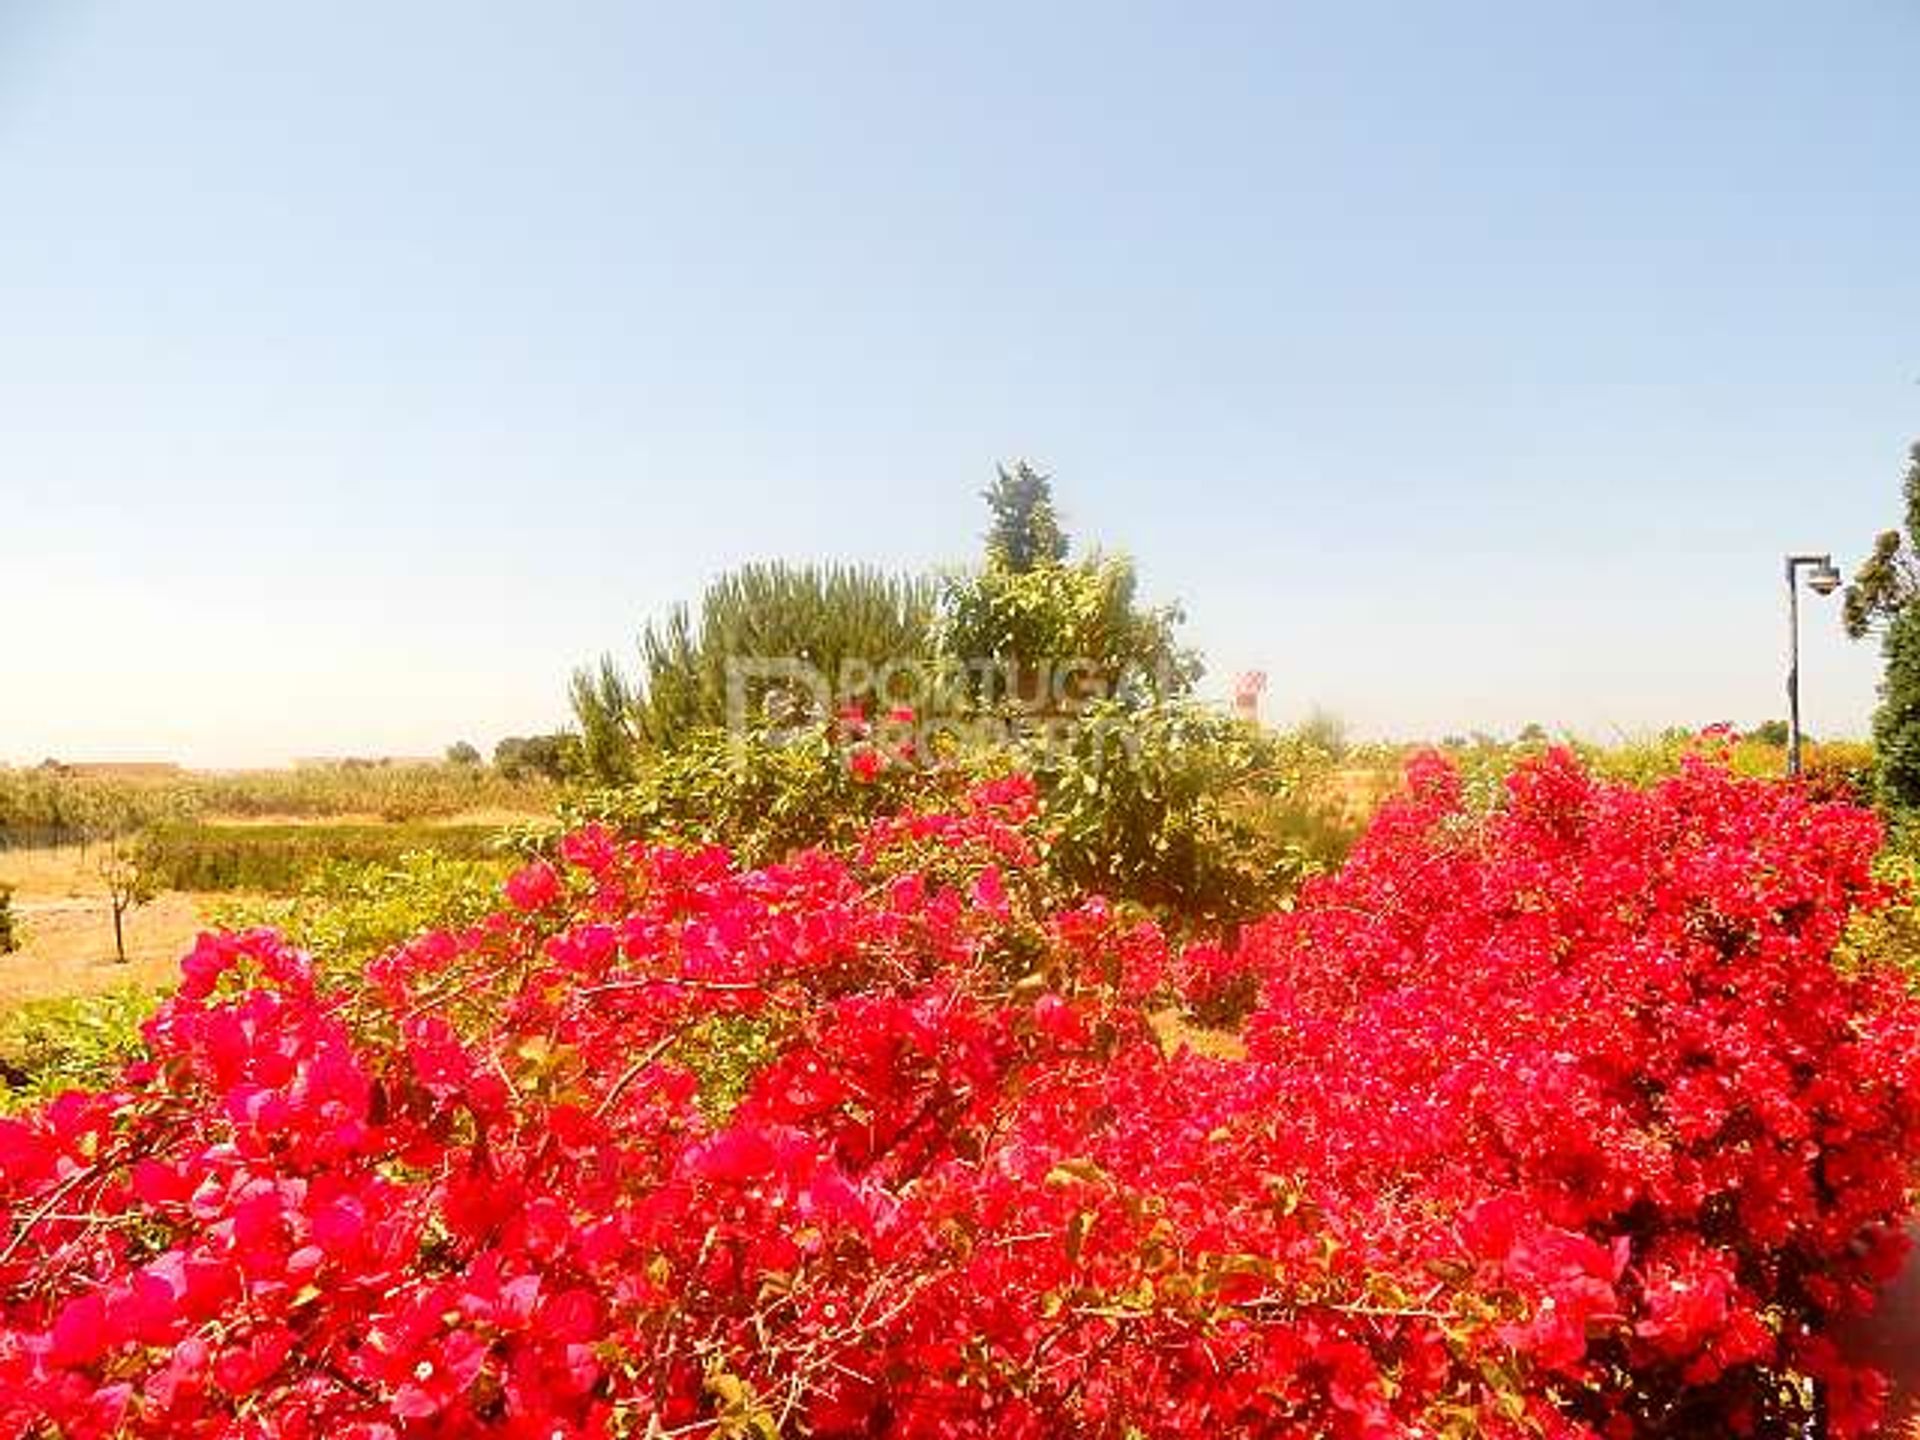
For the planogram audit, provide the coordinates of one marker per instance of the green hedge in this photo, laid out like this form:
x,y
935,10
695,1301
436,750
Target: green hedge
x,y
345,913
280,859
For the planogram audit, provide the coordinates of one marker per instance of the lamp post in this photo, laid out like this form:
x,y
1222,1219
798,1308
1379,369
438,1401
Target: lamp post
x,y
1822,579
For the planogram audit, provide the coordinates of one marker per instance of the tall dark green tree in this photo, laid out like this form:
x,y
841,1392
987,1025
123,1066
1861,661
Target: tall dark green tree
x,y
1896,723
1034,626
607,710
1026,532
1884,599
549,757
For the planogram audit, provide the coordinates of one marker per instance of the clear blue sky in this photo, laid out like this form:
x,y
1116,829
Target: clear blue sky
x,y
364,367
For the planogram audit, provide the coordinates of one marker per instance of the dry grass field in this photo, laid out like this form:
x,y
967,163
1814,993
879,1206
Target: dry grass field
x,y
62,904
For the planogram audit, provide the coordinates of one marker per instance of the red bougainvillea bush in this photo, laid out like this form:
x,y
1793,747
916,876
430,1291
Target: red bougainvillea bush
x,y
1561,1122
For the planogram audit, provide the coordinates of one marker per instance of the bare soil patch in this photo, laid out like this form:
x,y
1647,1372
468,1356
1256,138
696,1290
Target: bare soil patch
x,y
62,905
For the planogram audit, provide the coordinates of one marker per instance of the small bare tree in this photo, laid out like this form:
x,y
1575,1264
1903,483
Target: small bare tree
x,y
129,886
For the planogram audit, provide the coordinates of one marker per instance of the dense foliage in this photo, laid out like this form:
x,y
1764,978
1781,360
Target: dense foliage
x,y
348,912
1030,634
1560,1122
1037,633
282,859
76,1041
1885,598
557,756
1047,639
1202,819
766,796
1026,532
828,617
1896,720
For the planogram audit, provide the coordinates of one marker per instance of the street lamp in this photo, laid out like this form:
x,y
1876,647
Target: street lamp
x,y
1822,579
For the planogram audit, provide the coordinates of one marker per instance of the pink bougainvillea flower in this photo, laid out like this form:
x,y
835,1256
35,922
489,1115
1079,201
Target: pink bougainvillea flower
x,y
533,887
1553,1121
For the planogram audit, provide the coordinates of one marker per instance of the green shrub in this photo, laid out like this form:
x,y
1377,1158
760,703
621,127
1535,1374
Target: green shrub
x,y
523,758
348,912
725,1052
1890,935
823,615
764,797
9,926
1045,632
1025,625
81,1042
1195,815
1027,636
281,859
1201,817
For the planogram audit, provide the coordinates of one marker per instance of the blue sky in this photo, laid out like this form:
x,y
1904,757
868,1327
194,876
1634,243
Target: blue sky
x,y
364,367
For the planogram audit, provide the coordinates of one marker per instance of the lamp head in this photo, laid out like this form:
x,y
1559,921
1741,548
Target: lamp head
x,y
1823,579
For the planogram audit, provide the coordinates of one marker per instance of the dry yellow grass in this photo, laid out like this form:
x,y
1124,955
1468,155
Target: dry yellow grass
x,y
1358,791
69,949
62,903
50,874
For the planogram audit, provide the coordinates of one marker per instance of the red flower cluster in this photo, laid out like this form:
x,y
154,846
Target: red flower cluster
x,y
1564,1123
1601,1041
